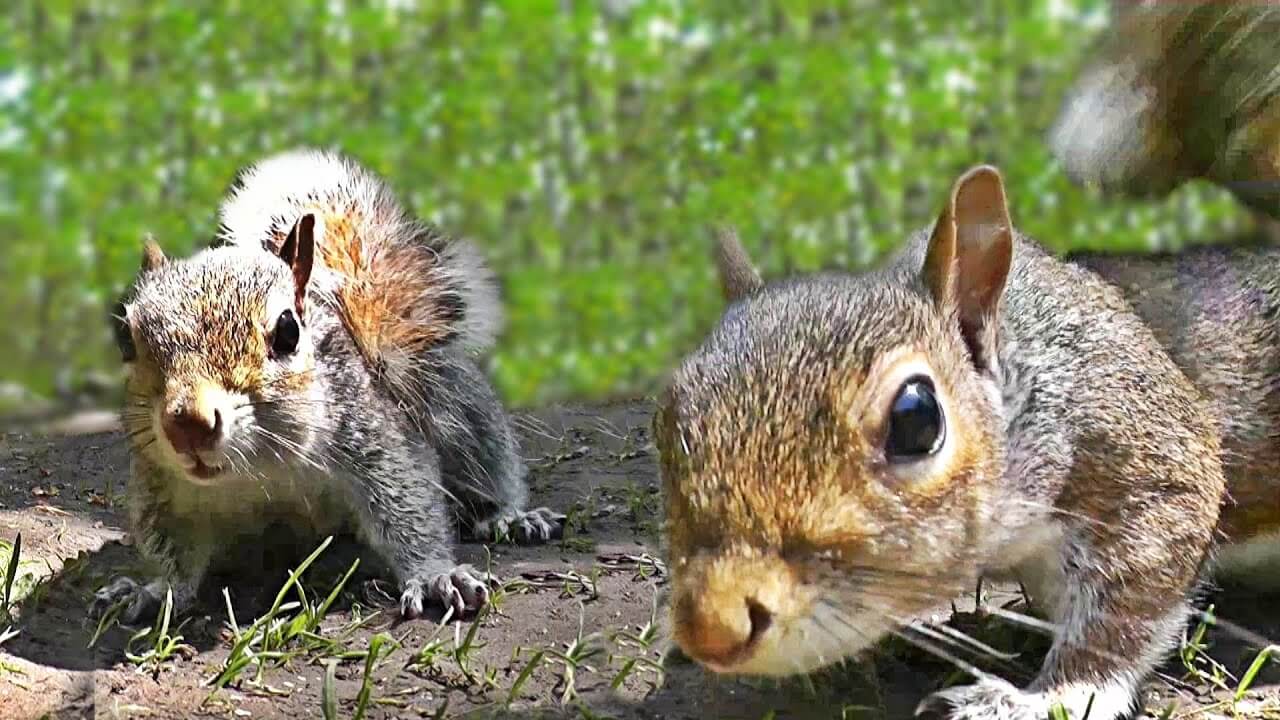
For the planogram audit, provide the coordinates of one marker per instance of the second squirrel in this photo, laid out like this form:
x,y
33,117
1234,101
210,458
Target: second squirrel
x,y
1176,91
846,451
317,369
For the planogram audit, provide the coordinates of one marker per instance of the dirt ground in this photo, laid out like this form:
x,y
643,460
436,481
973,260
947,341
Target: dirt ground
x,y
62,490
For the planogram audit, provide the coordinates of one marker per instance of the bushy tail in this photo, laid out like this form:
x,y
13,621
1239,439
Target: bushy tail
x,y
1176,91
404,291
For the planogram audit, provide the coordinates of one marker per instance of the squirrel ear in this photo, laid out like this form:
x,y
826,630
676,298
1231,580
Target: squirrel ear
x,y
738,278
298,252
152,256
969,256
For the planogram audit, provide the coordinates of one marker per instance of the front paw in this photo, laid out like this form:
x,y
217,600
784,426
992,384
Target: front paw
x,y
461,590
136,602
988,699
527,527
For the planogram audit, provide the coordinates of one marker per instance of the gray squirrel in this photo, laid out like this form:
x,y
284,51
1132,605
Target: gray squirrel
x,y
316,366
846,451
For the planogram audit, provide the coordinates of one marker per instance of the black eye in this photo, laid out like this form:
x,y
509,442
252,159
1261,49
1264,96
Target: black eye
x,y
123,335
916,425
284,341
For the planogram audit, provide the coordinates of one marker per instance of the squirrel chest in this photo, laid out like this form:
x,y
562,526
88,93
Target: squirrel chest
x,y
306,502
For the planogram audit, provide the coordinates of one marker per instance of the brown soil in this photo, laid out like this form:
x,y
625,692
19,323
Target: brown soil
x,y
62,492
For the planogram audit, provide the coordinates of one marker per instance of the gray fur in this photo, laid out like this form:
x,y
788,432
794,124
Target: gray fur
x,y
322,448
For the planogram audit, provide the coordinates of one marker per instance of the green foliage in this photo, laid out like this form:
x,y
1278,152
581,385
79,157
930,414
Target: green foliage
x,y
586,146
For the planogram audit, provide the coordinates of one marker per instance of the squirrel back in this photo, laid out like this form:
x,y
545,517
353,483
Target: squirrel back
x,y
1216,311
1176,91
403,290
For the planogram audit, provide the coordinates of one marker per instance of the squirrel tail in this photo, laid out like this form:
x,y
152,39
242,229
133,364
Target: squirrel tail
x,y
403,290
1174,91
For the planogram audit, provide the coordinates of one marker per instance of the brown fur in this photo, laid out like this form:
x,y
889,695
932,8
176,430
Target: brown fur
x,y
394,298
1215,310
1077,457
737,277
1184,89
327,383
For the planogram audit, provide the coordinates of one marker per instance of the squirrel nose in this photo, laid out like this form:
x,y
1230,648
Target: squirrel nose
x,y
722,633
190,430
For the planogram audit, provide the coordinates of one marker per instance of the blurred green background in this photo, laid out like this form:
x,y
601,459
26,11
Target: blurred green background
x,y
586,146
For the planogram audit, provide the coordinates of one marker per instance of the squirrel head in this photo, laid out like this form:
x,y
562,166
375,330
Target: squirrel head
x,y
220,356
827,452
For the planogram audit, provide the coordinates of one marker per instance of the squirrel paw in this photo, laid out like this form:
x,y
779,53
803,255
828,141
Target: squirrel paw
x,y
137,602
989,699
526,527
461,590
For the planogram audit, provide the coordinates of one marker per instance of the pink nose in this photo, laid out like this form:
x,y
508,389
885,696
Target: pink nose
x,y
720,633
192,431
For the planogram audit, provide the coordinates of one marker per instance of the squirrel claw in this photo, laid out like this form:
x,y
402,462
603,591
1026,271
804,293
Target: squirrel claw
x,y
541,525
984,700
526,527
459,590
137,602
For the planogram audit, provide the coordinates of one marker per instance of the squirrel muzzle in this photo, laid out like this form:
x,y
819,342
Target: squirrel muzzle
x,y
195,424
725,608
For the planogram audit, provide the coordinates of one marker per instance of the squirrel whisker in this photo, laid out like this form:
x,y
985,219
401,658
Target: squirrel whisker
x,y
287,378
535,426
232,460
1043,626
837,613
1027,621
1058,512
938,652
893,594
1242,633
890,625
962,641
281,442
136,431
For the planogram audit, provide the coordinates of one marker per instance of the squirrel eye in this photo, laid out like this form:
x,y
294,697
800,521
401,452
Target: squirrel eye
x,y
916,425
284,341
123,335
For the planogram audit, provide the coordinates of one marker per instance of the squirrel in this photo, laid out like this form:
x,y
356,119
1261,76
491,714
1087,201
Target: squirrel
x,y
845,451
316,366
1198,80
1175,91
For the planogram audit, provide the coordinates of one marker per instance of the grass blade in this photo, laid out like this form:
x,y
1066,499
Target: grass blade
x,y
523,677
231,615
296,574
237,658
108,619
622,675
333,594
366,683
329,691
11,572
1254,668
